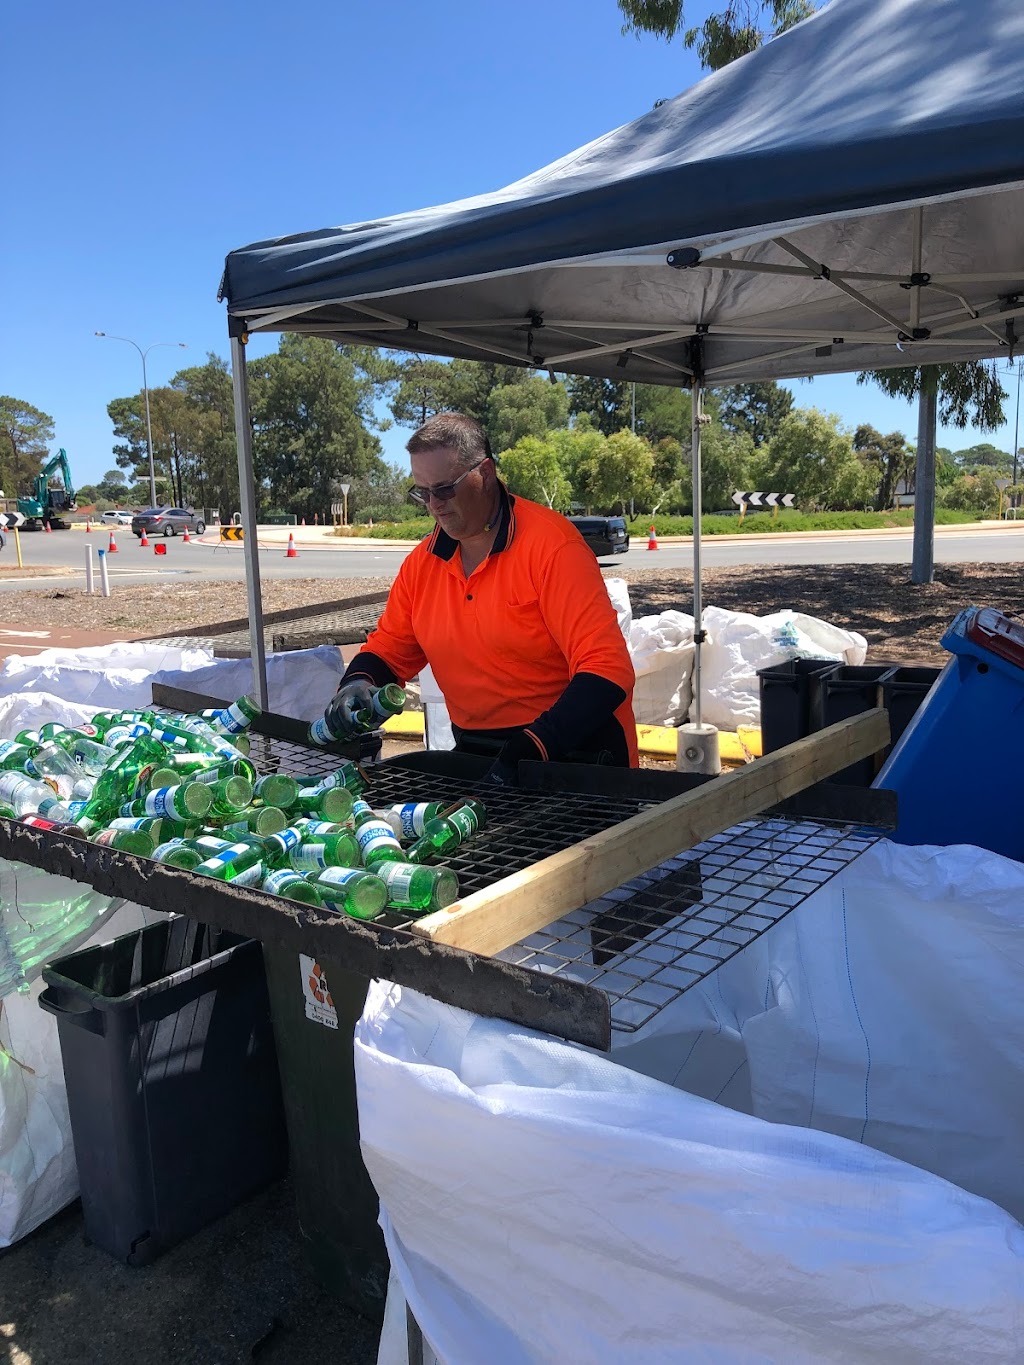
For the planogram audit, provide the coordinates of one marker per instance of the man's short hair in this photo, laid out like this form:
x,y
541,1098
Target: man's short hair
x,y
452,431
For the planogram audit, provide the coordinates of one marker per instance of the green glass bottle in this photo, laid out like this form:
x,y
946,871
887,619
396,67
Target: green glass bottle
x,y
234,719
347,774
135,841
385,702
445,833
51,728
184,802
354,891
241,864
313,829
376,838
329,850
326,803
30,737
116,784
257,820
14,756
228,796
176,853
409,819
276,847
155,825
293,886
276,789
411,887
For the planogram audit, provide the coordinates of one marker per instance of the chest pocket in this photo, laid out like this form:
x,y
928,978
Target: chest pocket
x,y
519,633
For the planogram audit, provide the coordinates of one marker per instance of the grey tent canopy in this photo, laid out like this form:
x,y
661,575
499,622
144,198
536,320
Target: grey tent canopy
x,y
850,196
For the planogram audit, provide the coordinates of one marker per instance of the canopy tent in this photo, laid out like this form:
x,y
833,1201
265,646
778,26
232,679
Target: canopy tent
x,y
847,197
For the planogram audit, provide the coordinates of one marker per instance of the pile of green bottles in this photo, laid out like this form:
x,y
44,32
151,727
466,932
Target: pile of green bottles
x,y
182,790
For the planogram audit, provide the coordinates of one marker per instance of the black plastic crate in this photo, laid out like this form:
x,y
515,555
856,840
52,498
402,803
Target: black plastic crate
x,y
849,690
790,704
903,691
172,1081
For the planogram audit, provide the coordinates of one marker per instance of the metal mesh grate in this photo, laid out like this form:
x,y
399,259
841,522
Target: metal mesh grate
x,y
651,940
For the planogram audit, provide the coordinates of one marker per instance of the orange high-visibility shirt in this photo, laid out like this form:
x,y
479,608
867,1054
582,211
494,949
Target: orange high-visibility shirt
x,y
505,642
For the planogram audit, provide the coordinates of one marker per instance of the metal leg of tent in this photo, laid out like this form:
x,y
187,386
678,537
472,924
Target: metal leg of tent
x,y
923,565
247,495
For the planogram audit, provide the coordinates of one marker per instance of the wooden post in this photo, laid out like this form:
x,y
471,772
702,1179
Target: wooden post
x,y
519,905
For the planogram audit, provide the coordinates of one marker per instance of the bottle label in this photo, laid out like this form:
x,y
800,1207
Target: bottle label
x,y
252,876
143,822
232,718
285,839
375,834
308,857
319,733
7,747
10,783
338,876
280,881
397,877
40,823
160,801
161,850
223,856
322,827
412,816
465,821
106,837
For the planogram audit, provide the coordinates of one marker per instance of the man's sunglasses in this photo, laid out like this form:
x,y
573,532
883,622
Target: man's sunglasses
x,y
443,492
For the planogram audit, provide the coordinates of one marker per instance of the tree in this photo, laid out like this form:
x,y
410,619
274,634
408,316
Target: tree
x,y
532,468
726,457
812,457
889,458
970,394
419,387
605,402
754,409
531,408
725,35
983,455
620,470
579,450
972,493
25,434
309,407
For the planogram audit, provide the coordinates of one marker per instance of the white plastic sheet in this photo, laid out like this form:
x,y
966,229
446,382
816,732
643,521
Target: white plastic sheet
x,y
739,644
544,1203
300,683
100,676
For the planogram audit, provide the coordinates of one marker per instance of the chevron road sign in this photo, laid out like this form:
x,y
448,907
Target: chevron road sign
x,y
230,533
11,520
763,499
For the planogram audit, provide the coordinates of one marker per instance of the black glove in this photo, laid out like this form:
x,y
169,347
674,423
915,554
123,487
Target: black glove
x,y
354,695
518,748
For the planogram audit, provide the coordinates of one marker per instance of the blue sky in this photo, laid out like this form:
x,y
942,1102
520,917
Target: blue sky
x,y
150,138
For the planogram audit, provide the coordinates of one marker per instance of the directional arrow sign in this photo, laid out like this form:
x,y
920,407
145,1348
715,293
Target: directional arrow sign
x,y
12,519
755,499
771,499
787,499
739,499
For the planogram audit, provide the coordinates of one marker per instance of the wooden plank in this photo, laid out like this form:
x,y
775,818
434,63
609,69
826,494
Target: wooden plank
x,y
519,905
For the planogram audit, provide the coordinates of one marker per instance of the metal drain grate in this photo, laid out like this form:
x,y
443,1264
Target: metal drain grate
x,y
648,942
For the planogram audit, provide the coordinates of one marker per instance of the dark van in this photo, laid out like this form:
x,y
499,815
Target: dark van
x,y
604,535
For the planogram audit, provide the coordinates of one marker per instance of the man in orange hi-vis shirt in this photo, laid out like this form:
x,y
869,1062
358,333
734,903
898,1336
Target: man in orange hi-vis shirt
x,y
507,605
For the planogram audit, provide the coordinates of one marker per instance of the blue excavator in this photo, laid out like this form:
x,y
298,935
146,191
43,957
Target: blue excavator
x,y
46,504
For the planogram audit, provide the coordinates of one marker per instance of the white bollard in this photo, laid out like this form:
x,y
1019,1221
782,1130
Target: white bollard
x,y
90,585
697,749
104,581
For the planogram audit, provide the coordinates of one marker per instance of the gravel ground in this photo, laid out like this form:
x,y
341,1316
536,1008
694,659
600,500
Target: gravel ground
x,y
902,623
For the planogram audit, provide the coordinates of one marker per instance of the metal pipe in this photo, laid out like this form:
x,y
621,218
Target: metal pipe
x,y
247,499
697,412
1016,429
923,563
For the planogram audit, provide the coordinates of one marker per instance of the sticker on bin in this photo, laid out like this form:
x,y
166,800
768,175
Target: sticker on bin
x,y
316,992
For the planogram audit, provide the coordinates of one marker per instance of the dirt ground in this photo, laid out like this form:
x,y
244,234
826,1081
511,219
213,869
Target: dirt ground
x,y
902,623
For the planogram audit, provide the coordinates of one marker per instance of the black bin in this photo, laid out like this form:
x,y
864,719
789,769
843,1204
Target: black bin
x,y
903,691
847,690
172,1081
789,701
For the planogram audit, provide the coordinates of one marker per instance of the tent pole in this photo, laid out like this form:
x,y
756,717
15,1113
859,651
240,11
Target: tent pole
x,y
247,500
696,422
923,565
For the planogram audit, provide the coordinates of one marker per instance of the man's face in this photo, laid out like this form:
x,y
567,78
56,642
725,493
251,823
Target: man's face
x,y
469,510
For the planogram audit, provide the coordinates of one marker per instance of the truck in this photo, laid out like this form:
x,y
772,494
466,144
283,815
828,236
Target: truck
x,y
45,504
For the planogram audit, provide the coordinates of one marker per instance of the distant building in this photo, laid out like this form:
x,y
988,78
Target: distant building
x,y
903,493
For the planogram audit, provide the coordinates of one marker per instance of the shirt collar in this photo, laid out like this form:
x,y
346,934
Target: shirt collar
x,y
444,546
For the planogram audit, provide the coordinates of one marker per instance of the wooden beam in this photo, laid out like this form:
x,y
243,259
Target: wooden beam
x,y
519,905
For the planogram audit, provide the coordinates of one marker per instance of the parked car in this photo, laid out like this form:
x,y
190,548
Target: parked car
x,y
604,535
117,518
167,521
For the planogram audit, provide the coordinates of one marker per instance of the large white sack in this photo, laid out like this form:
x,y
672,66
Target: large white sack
x,y
618,593
300,682
661,648
541,1203
114,676
38,1175
738,644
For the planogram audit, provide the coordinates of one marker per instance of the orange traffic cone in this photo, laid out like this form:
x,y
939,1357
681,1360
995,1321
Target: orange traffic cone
x,y
303,521
47,528
186,538
144,539
291,552
88,528
652,540
112,547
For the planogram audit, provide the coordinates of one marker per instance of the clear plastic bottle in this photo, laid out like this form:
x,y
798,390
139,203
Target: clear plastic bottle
x,y
411,887
351,890
21,795
376,838
51,764
90,756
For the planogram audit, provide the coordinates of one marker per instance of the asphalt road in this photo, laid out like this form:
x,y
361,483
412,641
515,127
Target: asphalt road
x,y
66,550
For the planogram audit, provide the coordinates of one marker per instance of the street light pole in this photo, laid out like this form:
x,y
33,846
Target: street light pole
x,y
1016,429
145,390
